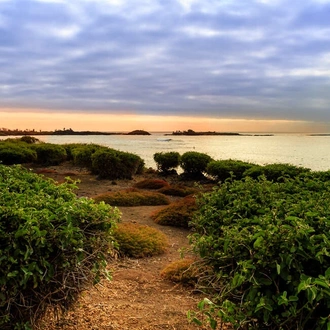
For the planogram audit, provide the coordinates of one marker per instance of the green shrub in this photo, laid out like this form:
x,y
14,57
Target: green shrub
x,y
178,214
29,139
178,190
167,161
53,245
276,172
194,163
224,169
113,164
132,197
82,154
151,184
268,244
49,154
138,241
15,153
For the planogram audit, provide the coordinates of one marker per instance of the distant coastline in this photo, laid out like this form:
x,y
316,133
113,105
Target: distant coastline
x,y
17,132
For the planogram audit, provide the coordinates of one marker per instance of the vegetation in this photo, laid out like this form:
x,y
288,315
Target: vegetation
x,y
223,169
113,164
151,184
50,154
167,161
14,153
178,214
132,197
138,241
276,172
268,245
181,271
178,190
194,163
53,245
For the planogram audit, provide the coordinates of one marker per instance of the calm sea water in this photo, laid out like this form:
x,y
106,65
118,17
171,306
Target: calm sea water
x,y
303,150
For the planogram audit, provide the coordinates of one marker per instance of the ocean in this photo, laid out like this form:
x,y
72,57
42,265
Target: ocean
x,y
297,149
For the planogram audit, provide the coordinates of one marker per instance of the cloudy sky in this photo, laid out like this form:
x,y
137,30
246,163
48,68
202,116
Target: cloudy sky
x,y
260,62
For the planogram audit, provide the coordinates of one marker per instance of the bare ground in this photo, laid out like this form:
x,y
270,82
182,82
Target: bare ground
x,y
137,297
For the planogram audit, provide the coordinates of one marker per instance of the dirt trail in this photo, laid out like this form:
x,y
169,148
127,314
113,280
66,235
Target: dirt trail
x,y
137,297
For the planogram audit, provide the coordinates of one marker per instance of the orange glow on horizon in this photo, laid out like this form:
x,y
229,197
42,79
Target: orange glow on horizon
x,y
153,123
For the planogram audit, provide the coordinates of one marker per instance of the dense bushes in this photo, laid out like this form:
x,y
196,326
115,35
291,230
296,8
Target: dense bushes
x,y
167,161
224,169
113,164
49,154
268,244
52,245
137,241
11,153
194,163
276,172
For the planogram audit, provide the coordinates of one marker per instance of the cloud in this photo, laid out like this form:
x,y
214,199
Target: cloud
x,y
248,59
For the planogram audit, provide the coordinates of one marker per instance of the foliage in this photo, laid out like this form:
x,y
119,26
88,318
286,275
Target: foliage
x,y
167,161
114,164
276,172
178,214
194,163
52,245
138,241
82,154
224,169
16,153
132,197
49,154
29,139
268,244
178,190
151,184
181,271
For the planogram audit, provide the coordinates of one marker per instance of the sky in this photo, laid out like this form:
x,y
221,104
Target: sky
x,y
113,65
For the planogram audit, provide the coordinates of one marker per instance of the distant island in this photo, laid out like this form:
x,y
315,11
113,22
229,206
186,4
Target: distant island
x,y
192,132
64,131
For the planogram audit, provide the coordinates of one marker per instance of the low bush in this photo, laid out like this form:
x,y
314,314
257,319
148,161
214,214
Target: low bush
x,y
194,163
223,169
167,161
138,241
29,139
276,172
181,271
113,164
16,153
49,154
133,197
268,246
151,184
178,190
53,245
178,214
82,154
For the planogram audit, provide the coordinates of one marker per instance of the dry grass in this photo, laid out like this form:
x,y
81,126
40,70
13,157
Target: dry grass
x,y
177,214
181,271
178,190
151,184
133,197
139,241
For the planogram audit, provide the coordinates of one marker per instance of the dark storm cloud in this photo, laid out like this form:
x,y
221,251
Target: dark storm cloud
x,y
246,59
